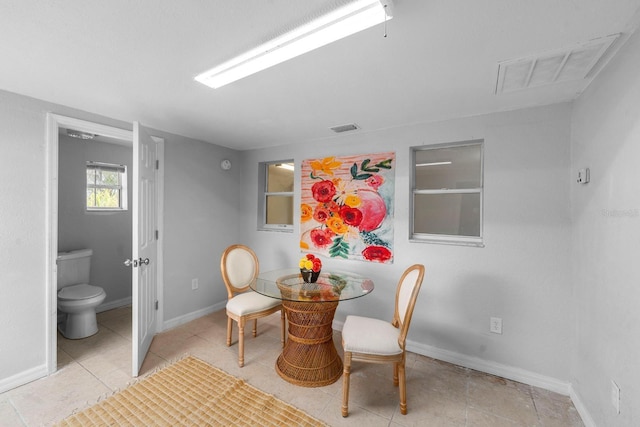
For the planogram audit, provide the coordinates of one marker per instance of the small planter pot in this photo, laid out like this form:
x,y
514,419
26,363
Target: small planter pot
x,y
309,276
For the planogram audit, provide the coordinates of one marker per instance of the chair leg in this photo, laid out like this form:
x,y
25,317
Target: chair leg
x,y
345,383
241,342
283,320
395,374
229,330
255,327
403,388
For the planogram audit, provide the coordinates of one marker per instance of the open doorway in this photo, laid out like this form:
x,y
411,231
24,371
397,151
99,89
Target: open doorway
x,y
114,243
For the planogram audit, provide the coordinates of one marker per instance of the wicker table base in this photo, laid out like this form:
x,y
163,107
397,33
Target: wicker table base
x,y
309,357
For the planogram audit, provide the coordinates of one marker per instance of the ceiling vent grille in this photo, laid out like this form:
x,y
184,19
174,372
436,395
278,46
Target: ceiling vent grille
x,y
571,64
345,128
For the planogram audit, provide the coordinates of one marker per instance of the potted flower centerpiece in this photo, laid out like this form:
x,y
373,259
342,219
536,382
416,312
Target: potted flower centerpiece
x,y
310,267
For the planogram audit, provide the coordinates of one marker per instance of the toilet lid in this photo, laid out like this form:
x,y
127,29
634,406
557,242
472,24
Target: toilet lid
x,y
82,291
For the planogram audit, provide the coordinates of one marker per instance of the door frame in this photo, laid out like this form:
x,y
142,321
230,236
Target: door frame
x,y
54,123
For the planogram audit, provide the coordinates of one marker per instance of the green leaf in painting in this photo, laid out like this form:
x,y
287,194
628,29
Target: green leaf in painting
x,y
354,171
385,164
339,248
362,176
365,166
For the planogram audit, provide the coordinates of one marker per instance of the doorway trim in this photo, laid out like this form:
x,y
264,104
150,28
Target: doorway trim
x,y
54,123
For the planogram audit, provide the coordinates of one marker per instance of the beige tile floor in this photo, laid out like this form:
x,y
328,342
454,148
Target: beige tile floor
x,y
439,394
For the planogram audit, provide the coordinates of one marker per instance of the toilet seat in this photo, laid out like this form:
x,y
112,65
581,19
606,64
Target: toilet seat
x,y
79,292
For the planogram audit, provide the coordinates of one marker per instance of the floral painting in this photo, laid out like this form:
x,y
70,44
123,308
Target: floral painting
x,y
347,207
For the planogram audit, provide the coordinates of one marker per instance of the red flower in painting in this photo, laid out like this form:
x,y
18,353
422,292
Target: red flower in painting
x,y
351,216
377,253
323,191
321,238
321,214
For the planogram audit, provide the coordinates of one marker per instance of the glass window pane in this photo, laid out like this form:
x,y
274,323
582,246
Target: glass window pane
x,y
107,198
109,178
91,176
279,178
91,197
279,210
447,214
450,168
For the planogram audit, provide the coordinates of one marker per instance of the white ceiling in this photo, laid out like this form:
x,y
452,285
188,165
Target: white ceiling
x,y
135,60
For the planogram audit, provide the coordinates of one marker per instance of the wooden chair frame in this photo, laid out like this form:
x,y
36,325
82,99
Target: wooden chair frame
x,y
398,360
233,290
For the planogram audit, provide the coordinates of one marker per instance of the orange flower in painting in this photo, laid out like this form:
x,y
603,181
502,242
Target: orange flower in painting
x,y
352,200
326,165
306,212
337,225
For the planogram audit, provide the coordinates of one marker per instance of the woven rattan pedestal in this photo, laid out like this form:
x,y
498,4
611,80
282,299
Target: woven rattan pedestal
x,y
309,357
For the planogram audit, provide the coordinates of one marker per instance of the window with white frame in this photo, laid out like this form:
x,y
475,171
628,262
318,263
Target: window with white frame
x,y
447,193
276,196
106,187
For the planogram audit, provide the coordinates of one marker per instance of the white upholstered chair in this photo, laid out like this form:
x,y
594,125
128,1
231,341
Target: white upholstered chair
x,y
239,266
377,341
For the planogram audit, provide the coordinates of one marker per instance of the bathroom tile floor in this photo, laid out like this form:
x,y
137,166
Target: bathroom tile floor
x,y
439,394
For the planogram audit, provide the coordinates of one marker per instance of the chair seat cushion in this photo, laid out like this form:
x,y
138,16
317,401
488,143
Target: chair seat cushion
x,y
371,336
249,303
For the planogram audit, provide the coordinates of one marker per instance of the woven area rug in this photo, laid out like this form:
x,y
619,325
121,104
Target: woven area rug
x,y
191,393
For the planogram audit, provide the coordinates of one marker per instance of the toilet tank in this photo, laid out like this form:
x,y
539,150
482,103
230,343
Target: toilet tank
x,y
74,267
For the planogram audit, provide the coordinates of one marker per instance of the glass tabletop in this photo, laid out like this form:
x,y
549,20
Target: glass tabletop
x,y
331,286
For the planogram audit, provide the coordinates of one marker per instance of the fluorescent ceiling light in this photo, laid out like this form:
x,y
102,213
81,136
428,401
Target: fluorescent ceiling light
x,y
80,135
433,164
288,166
340,23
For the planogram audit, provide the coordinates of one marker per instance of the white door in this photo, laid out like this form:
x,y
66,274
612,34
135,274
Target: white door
x,y
145,244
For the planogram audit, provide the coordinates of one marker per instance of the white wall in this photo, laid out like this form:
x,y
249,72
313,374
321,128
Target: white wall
x,y
200,221
606,241
521,275
108,234
200,213
23,233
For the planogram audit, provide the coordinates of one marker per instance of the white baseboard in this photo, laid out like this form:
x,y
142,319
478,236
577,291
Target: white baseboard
x,y
181,320
581,408
487,366
113,304
491,367
23,378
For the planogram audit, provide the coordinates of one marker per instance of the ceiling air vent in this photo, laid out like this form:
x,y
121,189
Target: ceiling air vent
x,y
577,62
345,128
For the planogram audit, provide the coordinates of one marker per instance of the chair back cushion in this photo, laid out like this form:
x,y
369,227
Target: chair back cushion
x,y
406,290
406,296
239,268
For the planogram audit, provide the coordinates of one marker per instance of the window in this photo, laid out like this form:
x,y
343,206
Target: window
x,y
447,191
106,186
276,196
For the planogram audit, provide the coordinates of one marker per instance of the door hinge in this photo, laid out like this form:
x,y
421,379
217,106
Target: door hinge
x,y
157,234
156,304
157,164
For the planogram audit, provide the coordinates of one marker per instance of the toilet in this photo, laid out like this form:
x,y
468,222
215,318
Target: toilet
x,y
77,299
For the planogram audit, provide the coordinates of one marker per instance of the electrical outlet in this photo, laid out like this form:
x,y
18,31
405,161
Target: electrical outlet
x,y
194,284
495,325
615,396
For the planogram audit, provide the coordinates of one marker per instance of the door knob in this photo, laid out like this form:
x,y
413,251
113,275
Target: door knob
x,y
130,263
136,262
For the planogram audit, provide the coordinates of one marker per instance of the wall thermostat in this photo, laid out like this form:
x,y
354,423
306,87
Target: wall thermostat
x,y
583,176
225,164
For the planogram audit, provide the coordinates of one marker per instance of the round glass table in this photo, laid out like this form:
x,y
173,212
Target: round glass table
x,y
309,357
